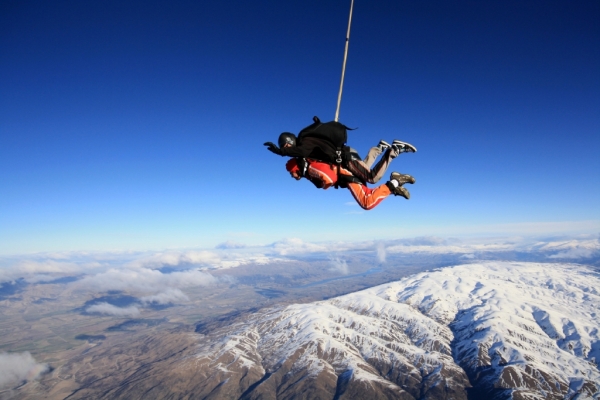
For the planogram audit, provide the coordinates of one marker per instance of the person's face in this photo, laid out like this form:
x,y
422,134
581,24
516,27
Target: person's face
x,y
287,145
295,175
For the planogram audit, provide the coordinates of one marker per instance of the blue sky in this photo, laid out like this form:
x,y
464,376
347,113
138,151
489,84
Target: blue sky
x,y
139,125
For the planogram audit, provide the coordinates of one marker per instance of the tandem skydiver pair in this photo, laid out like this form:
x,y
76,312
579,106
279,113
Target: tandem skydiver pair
x,y
319,154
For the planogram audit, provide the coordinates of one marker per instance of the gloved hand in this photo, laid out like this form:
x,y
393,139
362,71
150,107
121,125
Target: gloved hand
x,y
272,148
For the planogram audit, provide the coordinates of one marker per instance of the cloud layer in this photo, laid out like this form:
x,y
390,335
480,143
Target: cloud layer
x,y
169,296
145,280
164,274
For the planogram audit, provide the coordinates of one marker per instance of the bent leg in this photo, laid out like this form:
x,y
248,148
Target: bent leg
x,y
381,167
359,169
372,155
368,198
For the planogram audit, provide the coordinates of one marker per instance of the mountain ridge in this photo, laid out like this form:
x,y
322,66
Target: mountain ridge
x,y
504,330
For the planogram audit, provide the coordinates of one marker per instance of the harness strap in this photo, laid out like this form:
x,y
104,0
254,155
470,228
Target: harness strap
x,y
338,162
302,166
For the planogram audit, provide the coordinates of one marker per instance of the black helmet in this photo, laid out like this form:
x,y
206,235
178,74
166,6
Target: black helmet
x,y
286,138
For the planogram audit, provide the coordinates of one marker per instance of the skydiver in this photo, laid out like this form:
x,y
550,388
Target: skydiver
x,y
324,176
318,149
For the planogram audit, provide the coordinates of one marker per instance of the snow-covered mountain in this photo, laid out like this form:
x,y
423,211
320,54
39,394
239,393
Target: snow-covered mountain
x,y
493,330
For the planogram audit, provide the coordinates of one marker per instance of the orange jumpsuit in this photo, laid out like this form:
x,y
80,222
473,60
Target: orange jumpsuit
x,y
324,176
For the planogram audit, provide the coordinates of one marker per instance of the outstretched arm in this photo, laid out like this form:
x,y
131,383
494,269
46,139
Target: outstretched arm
x,y
294,151
272,148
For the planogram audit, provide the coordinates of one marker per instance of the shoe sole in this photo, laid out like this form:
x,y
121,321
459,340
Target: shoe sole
x,y
399,175
400,143
406,194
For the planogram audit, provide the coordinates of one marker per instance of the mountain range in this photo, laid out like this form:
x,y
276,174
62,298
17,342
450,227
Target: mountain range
x,y
494,330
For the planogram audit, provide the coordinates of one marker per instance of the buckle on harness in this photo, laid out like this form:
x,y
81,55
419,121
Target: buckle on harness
x,y
339,156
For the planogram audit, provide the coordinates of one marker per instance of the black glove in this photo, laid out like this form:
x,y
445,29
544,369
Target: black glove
x,y
272,148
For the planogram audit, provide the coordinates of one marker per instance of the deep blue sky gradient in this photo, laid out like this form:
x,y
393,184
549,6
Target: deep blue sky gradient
x,y
139,125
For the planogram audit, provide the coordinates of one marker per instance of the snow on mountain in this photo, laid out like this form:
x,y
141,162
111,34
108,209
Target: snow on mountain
x,y
516,325
504,330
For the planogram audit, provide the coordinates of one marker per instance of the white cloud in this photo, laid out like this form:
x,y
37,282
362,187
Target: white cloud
x,y
17,367
38,271
167,297
228,255
453,249
297,246
294,246
145,280
567,248
242,260
109,309
338,265
174,258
